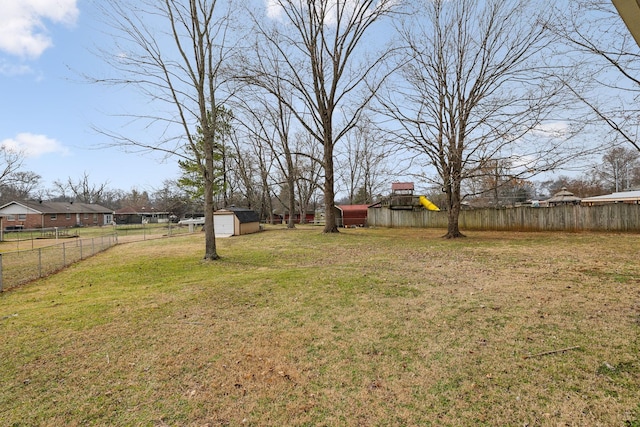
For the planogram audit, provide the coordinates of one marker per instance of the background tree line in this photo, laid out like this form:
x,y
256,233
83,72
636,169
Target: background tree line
x,y
292,102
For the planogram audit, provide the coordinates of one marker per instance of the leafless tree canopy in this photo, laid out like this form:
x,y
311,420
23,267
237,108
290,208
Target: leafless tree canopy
x,y
15,184
82,189
313,57
476,88
468,88
268,125
620,168
174,53
10,162
363,163
603,63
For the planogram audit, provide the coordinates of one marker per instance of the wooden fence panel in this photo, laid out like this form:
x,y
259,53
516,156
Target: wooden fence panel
x,y
613,217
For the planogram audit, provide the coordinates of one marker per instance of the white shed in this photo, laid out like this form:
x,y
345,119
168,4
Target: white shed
x,y
229,222
223,223
234,221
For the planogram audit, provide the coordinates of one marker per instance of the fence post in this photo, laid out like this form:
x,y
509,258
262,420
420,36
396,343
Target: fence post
x,y
64,255
39,262
93,246
80,240
0,272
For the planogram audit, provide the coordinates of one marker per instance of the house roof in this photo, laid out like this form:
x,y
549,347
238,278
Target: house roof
x,y
563,196
59,207
244,215
399,186
621,196
133,210
353,208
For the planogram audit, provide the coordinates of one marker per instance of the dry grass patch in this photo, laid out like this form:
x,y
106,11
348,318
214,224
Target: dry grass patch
x,y
368,327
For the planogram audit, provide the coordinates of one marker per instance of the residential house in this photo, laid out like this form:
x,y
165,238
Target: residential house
x,y
39,214
631,197
140,215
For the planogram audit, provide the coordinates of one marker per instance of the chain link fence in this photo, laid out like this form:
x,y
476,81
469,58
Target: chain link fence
x,y
20,267
24,265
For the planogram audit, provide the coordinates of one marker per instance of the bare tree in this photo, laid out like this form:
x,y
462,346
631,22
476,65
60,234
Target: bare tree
x,y
268,124
136,199
16,184
494,185
320,50
363,162
619,168
10,162
473,89
263,161
174,53
308,170
81,190
243,174
20,185
586,185
603,62
171,198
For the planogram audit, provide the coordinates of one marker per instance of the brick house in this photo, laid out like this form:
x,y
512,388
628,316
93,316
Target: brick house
x,y
39,214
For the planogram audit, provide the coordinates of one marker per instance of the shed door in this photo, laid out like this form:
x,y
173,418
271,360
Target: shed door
x,y
223,224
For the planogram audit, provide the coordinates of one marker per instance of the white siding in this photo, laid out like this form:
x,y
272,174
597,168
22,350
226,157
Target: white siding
x,y
223,224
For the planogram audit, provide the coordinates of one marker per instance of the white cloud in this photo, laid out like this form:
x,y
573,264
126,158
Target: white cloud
x,y
552,129
33,145
10,70
22,24
274,9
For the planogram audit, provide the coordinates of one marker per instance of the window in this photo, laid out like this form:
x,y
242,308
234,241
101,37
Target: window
x,y
11,217
54,217
68,216
22,217
86,215
95,217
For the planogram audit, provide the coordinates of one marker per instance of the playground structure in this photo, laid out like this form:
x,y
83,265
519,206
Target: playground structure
x,y
428,204
402,198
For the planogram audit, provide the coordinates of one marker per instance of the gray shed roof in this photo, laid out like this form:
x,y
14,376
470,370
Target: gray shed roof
x,y
244,215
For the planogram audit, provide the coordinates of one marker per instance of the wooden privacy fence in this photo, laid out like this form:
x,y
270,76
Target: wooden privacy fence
x,y
613,217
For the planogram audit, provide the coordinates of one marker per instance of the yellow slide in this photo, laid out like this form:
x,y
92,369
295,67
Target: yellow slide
x,y
428,204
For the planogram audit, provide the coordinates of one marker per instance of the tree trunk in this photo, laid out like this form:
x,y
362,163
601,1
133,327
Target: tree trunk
x,y
453,231
453,213
303,213
210,252
329,191
292,201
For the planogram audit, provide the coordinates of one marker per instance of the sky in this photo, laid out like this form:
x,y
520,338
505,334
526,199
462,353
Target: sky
x,y
48,111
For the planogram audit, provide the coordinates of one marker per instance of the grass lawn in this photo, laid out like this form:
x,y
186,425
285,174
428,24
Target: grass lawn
x,y
369,327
